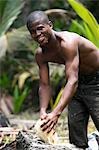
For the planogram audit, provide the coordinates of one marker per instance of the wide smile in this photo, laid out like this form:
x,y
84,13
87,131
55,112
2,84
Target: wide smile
x,y
41,39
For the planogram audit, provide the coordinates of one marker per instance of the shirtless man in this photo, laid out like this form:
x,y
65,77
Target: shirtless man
x,y
81,92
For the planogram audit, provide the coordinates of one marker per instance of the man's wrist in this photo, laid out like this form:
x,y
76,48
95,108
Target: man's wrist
x,y
57,112
42,110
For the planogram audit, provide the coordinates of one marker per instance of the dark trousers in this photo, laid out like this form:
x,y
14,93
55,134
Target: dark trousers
x,y
84,103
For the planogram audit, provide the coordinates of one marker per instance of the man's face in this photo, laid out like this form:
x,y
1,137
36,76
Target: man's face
x,y
40,32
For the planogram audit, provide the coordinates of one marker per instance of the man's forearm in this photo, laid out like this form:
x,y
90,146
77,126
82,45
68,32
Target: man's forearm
x,y
67,95
45,96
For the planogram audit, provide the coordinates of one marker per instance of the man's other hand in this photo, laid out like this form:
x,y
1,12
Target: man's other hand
x,y
49,122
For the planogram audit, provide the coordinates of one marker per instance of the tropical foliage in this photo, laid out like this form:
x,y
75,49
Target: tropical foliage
x,y
19,72
88,27
9,11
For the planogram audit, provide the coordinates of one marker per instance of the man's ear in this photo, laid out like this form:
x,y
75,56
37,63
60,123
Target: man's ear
x,y
50,24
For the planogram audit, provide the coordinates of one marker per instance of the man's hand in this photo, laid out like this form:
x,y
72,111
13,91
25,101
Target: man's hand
x,y
50,122
43,115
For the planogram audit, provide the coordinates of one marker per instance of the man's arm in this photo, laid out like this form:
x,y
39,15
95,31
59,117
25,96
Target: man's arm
x,y
44,85
72,68
44,88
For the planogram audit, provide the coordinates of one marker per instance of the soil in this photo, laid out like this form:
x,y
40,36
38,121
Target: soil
x,y
62,125
25,122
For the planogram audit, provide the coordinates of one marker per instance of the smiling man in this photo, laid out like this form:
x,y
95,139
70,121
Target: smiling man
x,y
81,92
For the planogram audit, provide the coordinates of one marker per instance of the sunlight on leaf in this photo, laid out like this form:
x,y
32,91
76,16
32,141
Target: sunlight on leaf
x,y
58,98
9,13
91,27
22,79
3,45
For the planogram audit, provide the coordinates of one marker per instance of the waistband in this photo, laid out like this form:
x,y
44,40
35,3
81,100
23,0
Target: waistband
x,y
87,78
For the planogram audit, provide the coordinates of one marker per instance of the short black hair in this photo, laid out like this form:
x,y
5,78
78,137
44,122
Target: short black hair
x,y
36,15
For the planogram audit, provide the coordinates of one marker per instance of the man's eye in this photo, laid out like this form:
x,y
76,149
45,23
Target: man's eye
x,y
40,28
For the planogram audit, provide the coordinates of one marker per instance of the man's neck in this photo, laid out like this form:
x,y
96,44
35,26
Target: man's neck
x,y
51,43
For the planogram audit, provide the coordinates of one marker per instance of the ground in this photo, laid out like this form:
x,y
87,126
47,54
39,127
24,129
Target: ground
x,y
62,126
26,121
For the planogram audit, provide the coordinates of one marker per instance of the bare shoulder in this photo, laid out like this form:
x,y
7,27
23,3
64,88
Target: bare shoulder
x,y
68,36
69,43
38,55
86,44
38,50
69,39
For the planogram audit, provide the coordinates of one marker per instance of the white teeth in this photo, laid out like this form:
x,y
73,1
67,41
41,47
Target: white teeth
x,y
41,39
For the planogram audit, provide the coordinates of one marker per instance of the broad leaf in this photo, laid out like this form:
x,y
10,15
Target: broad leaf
x,y
9,12
22,79
2,8
89,34
87,16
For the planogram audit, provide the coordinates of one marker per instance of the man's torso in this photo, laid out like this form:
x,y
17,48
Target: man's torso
x,y
88,54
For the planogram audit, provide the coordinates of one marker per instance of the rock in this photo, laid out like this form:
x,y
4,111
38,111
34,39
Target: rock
x,y
29,141
4,122
10,146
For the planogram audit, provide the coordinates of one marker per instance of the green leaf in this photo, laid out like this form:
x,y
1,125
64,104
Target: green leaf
x,y
4,81
19,99
2,7
89,34
87,16
16,93
58,98
9,11
77,27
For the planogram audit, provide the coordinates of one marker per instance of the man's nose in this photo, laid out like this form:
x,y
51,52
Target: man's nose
x,y
38,32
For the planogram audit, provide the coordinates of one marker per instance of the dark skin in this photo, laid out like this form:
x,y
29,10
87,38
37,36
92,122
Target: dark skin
x,y
75,52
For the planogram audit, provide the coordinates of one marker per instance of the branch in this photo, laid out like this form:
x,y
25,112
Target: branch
x,y
60,12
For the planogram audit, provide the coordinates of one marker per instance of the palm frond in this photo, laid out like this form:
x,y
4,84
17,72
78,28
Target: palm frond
x,y
91,25
9,11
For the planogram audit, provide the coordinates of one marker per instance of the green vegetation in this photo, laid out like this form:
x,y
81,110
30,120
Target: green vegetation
x,y
9,11
88,27
19,97
19,72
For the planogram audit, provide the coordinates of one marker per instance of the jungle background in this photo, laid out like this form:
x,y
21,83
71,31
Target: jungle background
x,y
19,80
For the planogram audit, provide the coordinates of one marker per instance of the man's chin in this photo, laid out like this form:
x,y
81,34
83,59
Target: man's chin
x,y
43,43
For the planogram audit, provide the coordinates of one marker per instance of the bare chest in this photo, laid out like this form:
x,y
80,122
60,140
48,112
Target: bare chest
x,y
53,56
